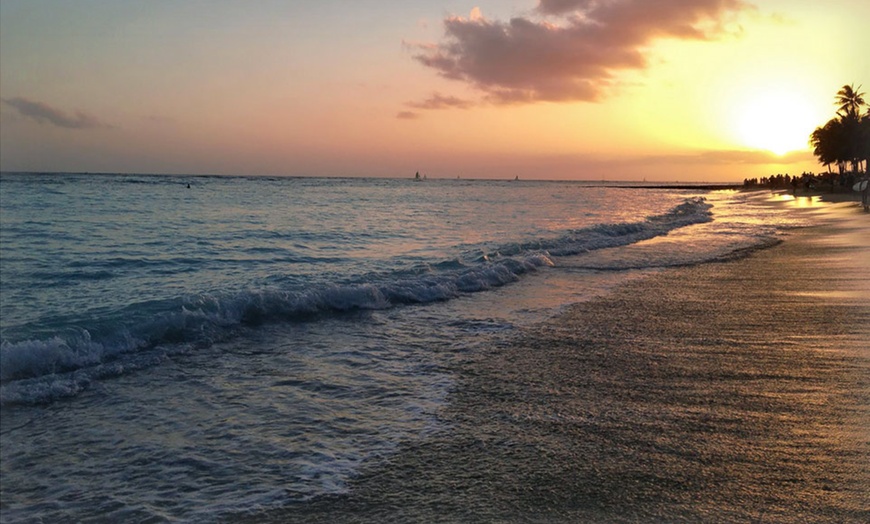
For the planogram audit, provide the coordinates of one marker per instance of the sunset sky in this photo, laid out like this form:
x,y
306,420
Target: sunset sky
x,y
704,90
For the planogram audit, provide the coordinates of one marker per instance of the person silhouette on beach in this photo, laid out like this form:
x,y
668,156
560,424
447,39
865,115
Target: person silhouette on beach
x,y
865,196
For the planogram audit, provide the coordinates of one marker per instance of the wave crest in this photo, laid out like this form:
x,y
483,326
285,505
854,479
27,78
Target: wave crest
x,y
63,364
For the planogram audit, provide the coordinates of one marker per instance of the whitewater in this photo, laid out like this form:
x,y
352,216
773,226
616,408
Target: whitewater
x,y
188,348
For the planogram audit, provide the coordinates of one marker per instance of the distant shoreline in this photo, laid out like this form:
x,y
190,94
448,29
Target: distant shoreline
x,y
627,184
707,187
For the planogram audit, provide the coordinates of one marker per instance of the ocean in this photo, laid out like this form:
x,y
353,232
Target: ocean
x,y
190,348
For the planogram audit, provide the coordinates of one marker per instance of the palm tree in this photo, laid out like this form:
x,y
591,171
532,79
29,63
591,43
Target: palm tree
x,y
830,143
845,139
849,101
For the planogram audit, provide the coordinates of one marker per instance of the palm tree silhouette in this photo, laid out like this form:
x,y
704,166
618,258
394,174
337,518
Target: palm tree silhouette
x,y
850,101
845,138
829,143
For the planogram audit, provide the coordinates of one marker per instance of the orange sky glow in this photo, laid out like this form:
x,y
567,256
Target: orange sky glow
x,y
688,90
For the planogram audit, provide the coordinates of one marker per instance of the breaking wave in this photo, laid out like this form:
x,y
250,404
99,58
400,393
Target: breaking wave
x,y
65,361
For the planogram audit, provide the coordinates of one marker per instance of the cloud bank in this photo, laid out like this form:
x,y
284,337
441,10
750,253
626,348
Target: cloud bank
x,y
46,114
567,50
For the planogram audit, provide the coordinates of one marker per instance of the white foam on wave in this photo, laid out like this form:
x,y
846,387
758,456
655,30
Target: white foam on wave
x,y
56,366
56,355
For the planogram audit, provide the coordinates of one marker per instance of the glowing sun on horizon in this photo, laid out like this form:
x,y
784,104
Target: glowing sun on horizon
x,y
775,121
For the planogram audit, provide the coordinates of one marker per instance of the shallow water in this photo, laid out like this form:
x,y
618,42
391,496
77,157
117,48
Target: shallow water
x,y
180,354
723,392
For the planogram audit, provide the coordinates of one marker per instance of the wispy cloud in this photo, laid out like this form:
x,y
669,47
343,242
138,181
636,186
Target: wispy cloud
x,y
46,114
755,157
567,50
407,115
439,101
727,157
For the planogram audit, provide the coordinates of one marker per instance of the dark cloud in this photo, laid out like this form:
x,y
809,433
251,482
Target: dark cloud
x,y
45,114
558,7
572,51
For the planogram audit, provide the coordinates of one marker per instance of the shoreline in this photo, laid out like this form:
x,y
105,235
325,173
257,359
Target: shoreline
x,y
731,391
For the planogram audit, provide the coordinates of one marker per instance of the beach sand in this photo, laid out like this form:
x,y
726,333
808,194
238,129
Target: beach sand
x,y
727,392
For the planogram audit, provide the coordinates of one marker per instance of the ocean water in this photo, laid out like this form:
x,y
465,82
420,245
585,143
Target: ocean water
x,y
175,353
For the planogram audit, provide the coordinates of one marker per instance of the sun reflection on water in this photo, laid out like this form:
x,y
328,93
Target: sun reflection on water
x,y
802,201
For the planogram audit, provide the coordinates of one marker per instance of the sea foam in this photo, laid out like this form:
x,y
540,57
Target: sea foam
x,y
56,366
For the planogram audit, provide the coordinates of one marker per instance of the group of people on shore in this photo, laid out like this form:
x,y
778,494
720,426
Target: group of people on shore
x,y
828,182
835,182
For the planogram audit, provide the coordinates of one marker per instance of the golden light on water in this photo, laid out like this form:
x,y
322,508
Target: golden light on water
x,y
799,201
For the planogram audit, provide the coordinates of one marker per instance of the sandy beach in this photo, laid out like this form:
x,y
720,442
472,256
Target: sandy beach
x,y
727,392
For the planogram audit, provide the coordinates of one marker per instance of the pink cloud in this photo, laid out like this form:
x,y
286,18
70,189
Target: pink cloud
x,y
573,51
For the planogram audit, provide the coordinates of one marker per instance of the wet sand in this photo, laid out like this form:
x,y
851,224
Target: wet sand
x,y
726,392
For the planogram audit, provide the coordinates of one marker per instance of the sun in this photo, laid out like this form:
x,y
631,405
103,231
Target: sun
x,y
779,122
